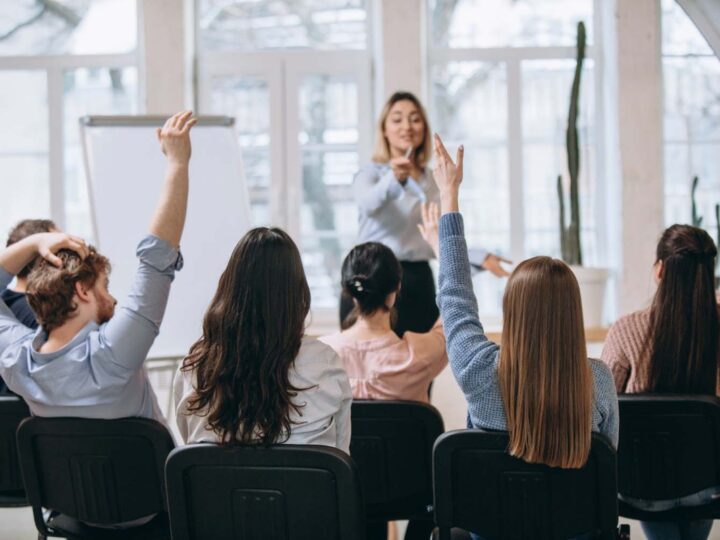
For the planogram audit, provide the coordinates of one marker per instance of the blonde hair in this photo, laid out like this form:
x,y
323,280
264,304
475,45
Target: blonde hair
x,y
544,375
382,148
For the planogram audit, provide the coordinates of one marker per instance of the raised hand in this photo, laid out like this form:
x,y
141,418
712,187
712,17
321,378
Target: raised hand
x,y
174,137
402,167
48,244
448,175
429,226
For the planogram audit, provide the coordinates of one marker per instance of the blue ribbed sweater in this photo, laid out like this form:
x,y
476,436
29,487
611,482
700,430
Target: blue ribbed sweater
x,y
473,357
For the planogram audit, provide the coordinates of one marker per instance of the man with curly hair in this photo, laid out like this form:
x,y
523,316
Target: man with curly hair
x,y
86,360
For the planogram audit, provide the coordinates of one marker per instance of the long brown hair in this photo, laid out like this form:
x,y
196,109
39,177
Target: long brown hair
x,y
423,153
683,334
544,374
252,333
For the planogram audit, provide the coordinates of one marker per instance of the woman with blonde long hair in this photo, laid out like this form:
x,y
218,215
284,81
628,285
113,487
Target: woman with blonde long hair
x,y
389,193
540,386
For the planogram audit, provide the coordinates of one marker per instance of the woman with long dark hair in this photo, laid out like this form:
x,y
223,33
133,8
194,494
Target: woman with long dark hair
x,y
672,347
253,376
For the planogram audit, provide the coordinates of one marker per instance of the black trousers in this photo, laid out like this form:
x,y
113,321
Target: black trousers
x,y
416,308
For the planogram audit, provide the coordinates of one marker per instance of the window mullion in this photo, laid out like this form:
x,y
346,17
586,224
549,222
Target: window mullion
x,y
515,159
56,145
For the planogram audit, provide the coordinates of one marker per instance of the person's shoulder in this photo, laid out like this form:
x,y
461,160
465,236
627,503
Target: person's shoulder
x,y
314,351
373,168
603,379
9,296
631,323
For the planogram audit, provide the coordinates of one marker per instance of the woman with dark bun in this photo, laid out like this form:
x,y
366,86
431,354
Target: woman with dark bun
x,y
380,364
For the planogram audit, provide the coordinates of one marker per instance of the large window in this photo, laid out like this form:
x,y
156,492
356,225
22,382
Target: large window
x,y
59,61
296,76
500,79
691,76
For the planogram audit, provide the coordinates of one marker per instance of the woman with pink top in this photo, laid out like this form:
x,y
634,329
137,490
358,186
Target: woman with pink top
x,y
672,347
381,365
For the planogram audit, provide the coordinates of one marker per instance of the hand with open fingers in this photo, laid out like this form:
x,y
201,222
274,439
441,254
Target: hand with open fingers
x,y
401,167
429,226
448,174
492,265
174,137
48,244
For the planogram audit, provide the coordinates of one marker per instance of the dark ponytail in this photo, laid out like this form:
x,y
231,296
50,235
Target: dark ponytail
x,y
683,336
370,272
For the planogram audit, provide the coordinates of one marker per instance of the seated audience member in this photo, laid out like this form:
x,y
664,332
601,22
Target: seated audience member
x,y
672,347
253,376
381,365
15,298
86,360
540,385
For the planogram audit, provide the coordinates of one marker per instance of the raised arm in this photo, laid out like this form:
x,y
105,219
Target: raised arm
x,y
45,245
168,220
373,190
132,331
472,356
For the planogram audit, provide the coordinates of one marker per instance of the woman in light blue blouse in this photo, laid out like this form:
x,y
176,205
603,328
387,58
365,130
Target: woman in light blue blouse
x,y
390,192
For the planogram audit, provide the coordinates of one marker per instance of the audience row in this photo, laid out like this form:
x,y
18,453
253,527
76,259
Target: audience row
x,y
255,377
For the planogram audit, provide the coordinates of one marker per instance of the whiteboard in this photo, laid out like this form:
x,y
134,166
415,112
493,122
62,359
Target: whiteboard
x,y
125,171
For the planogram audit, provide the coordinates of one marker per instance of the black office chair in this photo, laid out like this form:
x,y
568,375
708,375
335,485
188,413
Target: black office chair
x,y
669,448
479,487
282,492
392,443
12,411
100,472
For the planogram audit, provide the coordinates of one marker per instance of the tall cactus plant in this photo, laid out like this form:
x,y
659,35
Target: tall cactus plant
x,y
570,234
696,219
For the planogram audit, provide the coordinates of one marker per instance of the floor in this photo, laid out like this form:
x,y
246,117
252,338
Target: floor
x,y
17,524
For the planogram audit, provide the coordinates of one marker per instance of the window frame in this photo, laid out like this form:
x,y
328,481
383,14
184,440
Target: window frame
x,y
54,67
512,58
284,70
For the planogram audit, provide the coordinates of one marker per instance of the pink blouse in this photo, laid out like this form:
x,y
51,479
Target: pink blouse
x,y
389,367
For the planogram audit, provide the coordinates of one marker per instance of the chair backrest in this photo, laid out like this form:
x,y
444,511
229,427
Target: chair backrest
x,y
479,487
97,471
283,492
669,445
392,443
12,411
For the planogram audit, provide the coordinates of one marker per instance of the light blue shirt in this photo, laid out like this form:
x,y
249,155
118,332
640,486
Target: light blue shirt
x,y
389,212
100,373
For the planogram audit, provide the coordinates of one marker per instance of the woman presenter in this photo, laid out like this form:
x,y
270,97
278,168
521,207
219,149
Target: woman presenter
x,y
390,192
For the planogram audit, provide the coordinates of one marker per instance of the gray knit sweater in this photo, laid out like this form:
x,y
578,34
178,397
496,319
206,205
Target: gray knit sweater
x,y
473,358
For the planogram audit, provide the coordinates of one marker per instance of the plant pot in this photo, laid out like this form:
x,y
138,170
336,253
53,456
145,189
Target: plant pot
x,y
592,283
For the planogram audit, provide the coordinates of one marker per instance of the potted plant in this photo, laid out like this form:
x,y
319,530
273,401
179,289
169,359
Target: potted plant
x,y
592,281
